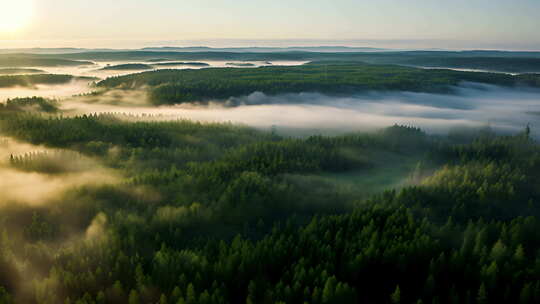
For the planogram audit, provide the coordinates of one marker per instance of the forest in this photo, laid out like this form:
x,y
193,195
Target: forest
x,y
175,63
502,61
15,71
129,66
328,77
269,152
222,213
513,65
35,79
31,60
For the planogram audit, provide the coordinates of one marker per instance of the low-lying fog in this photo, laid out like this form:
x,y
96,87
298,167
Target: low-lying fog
x,y
49,91
35,188
465,70
96,70
474,105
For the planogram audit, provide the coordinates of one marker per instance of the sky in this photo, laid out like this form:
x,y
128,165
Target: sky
x,y
456,24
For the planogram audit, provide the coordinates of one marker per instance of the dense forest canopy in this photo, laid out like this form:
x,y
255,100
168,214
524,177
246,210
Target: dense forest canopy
x,y
337,78
175,63
30,104
128,66
269,152
35,79
126,208
220,213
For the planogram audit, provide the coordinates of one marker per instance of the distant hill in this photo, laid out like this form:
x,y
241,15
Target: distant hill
x,y
326,77
497,61
32,80
331,49
157,60
20,71
179,63
15,61
52,50
126,67
240,64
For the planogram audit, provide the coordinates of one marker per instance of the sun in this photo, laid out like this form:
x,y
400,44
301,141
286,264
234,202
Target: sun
x,y
15,14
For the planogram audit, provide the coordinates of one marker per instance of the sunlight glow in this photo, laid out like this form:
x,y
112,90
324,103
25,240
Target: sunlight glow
x,y
14,15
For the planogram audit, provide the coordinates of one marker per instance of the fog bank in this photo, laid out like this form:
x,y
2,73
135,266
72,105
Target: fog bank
x,y
38,188
473,105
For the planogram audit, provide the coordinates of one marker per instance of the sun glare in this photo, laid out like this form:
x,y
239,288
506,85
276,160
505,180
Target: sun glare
x,y
14,15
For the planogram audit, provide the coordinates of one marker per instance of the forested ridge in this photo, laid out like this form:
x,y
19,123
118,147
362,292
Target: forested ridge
x,y
196,64
36,79
128,66
28,60
327,77
221,213
514,65
14,71
504,61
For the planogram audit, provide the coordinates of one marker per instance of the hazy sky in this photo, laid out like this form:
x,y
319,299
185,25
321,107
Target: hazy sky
x,y
509,24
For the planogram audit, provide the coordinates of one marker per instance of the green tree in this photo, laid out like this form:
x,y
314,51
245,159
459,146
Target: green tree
x,y
482,297
133,297
395,297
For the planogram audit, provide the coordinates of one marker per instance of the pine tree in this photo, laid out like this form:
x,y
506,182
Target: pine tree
x,y
395,297
163,299
329,290
481,297
525,296
133,297
190,294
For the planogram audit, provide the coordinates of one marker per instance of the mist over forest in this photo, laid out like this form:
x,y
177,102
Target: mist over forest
x,y
269,175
